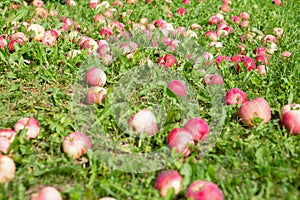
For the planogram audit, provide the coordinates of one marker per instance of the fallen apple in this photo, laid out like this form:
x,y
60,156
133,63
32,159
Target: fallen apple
x,y
32,126
95,77
204,190
256,108
235,96
7,169
95,95
167,180
76,144
48,193
177,87
198,128
180,139
144,122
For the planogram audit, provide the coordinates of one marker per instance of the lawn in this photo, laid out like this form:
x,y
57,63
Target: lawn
x,y
45,80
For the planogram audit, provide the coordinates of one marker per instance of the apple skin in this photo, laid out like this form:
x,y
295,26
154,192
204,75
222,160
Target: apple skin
x,y
198,128
204,190
144,122
235,96
166,180
7,169
256,108
76,144
291,121
180,139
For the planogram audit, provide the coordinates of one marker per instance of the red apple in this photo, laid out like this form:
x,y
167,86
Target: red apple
x,y
95,77
32,126
167,180
144,122
198,128
235,96
76,144
177,87
204,190
180,139
256,108
48,193
7,169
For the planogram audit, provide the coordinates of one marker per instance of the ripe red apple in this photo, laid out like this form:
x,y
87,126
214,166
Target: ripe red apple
x,y
144,122
7,169
256,108
180,139
177,87
235,96
95,95
32,126
76,144
204,190
166,180
95,77
198,128
48,193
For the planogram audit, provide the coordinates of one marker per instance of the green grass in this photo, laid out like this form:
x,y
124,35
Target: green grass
x,y
258,163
